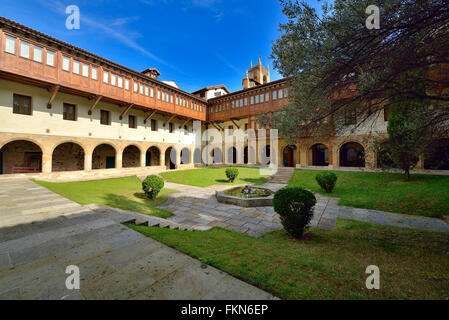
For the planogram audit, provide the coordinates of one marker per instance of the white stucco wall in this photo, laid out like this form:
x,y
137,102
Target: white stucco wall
x,y
50,121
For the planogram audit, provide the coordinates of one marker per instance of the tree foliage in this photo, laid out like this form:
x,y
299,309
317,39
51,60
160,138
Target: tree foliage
x,y
337,66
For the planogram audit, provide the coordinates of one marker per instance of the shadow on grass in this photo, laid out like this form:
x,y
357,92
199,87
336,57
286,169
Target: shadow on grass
x,y
147,207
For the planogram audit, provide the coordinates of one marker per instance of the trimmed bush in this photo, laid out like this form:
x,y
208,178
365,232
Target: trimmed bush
x,y
232,174
152,185
327,181
295,207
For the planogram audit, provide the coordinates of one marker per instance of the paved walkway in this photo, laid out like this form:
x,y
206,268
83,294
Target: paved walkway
x,y
41,233
198,208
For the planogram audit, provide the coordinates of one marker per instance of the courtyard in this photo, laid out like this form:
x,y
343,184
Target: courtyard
x,y
245,244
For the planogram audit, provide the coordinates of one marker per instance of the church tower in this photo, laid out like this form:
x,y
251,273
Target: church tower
x,y
257,75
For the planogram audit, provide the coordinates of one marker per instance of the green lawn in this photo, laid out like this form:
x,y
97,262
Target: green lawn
x,y
209,176
425,195
124,193
329,264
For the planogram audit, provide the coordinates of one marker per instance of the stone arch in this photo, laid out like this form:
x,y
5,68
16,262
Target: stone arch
x,y
103,156
265,155
197,156
185,155
437,157
352,154
36,142
68,156
171,158
217,155
131,156
318,155
20,156
232,155
249,154
288,156
153,156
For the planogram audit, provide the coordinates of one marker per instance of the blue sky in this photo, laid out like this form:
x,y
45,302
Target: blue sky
x,y
196,43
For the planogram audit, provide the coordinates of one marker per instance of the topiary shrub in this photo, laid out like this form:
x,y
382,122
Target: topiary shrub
x,y
295,206
327,181
152,185
232,174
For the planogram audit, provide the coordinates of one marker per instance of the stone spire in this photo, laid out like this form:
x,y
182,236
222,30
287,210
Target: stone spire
x,y
251,64
260,62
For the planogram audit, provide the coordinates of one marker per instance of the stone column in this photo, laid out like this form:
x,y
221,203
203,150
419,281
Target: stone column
x,y
46,163
143,159
162,159
87,161
118,159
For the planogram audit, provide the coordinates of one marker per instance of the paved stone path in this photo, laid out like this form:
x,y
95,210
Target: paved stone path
x,y
198,207
41,233
393,219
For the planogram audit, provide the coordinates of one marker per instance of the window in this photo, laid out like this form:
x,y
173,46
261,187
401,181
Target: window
x,y
94,73
85,71
141,88
280,93
113,79
275,95
105,117
65,63
163,96
147,91
257,99
136,87
267,97
21,104
231,129
24,49
51,58
105,77
69,112
177,100
233,104
126,84
251,100
170,127
120,82
153,125
246,102
186,130
285,92
152,92
10,45
241,103
76,67
261,98
159,94
171,99
132,122
37,55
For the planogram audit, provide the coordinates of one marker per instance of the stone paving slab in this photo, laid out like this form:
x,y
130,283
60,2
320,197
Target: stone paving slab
x,y
115,262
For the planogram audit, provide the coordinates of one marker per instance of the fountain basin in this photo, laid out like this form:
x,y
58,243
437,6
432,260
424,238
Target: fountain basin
x,y
260,197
